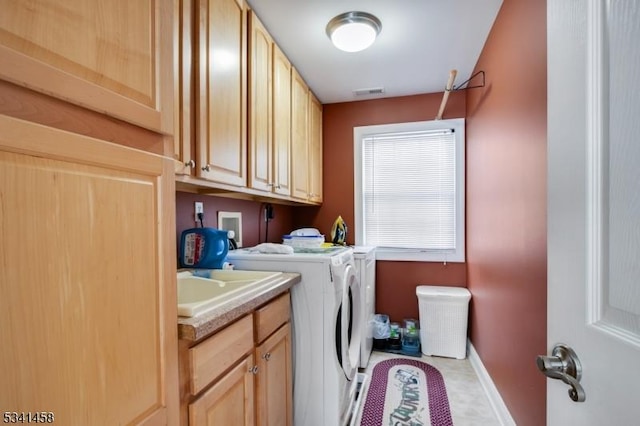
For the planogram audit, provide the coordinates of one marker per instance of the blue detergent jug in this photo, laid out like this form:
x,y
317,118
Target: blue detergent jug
x,y
203,248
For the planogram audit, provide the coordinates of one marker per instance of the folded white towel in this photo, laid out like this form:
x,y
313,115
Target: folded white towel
x,y
272,248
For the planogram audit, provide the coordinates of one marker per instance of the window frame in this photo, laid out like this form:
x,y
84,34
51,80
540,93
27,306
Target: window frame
x,y
412,254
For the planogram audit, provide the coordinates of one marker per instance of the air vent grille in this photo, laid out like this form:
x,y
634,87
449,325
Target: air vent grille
x,y
370,91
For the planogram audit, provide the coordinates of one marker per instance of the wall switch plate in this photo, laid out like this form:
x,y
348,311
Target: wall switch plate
x,y
199,208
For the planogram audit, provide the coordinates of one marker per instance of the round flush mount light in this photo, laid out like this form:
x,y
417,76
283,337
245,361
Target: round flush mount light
x,y
353,31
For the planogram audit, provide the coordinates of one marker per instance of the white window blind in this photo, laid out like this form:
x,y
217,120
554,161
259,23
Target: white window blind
x,y
410,192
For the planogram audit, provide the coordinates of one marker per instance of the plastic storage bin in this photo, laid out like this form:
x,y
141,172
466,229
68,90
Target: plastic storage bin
x,y
443,320
304,241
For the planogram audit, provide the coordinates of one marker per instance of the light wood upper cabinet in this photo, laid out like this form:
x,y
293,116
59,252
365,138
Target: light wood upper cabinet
x,y
315,149
260,106
221,89
306,142
281,122
269,112
299,137
88,284
109,56
184,141
248,124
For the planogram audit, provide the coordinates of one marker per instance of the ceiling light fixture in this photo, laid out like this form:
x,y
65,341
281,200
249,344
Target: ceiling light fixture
x,y
353,31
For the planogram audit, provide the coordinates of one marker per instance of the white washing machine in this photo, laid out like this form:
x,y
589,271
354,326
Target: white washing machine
x,y
365,260
326,330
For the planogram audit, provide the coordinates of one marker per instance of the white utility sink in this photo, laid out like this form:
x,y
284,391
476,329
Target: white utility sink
x,y
209,289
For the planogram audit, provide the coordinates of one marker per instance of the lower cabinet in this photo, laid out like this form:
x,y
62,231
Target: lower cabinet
x,y
229,401
274,379
242,374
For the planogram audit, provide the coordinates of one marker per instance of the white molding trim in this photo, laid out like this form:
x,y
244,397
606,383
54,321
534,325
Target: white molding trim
x,y
596,174
499,408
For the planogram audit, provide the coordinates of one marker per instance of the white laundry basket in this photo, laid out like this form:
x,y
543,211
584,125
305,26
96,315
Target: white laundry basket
x,y
443,320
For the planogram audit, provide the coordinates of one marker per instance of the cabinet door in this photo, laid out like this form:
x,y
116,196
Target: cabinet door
x,y
315,149
274,379
221,110
88,283
299,137
260,111
281,122
228,402
114,56
184,140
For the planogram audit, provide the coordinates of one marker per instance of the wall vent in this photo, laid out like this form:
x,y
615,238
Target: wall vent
x,y
370,91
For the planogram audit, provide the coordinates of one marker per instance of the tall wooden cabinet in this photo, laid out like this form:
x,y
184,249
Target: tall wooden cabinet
x,y
87,287
88,280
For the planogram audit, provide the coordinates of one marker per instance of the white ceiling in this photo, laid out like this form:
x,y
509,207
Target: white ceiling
x,y
420,42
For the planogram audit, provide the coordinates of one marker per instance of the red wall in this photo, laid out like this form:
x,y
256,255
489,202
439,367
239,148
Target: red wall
x,y
506,207
395,281
253,225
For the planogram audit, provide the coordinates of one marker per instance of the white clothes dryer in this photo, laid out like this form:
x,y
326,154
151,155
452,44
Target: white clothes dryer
x,y
365,260
326,324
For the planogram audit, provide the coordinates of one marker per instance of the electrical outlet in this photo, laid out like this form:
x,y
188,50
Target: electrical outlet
x,y
199,207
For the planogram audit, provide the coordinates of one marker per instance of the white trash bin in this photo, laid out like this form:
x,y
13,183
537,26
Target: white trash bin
x,y
443,320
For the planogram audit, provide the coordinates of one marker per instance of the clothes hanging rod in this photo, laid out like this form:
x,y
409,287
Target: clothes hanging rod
x,y
451,88
447,90
459,87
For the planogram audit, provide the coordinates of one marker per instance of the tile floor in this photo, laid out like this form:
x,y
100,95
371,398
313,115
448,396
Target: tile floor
x,y
467,400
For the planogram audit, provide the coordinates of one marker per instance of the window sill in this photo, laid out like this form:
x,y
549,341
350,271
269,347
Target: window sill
x,y
416,255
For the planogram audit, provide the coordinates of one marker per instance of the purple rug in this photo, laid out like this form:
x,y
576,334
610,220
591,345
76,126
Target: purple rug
x,y
406,392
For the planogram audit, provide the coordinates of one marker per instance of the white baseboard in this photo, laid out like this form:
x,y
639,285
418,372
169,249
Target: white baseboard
x,y
499,408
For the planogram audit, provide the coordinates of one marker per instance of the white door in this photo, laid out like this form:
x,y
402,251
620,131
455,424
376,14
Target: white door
x,y
594,206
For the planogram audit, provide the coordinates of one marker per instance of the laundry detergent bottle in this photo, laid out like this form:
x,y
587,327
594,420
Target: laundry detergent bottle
x,y
203,248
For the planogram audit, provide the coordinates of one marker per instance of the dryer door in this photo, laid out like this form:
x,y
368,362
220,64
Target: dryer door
x,y
349,323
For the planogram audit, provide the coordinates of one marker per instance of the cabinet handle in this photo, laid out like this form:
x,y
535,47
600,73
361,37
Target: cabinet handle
x,y
254,369
191,164
206,168
266,356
